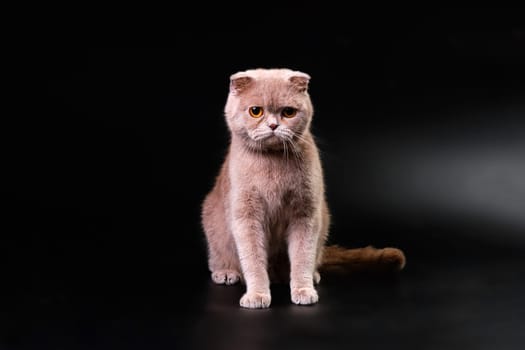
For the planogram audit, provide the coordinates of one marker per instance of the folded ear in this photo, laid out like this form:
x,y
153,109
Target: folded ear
x,y
239,82
300,81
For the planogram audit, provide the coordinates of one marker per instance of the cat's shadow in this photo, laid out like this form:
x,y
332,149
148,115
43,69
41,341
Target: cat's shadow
x,y
222,319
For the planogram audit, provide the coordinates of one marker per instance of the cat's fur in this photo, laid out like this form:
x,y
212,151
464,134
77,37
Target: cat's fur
x,y
266,217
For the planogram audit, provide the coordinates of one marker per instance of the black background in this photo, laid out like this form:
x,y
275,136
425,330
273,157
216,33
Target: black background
x,y
114,142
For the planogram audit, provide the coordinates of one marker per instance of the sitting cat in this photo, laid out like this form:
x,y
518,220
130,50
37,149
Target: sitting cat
x,y
267,214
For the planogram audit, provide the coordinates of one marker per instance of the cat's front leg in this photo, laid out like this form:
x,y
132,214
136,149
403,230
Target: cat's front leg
x,y
251,244
302,251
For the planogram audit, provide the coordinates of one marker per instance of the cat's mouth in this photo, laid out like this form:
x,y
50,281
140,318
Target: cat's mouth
x,y
273,139
264,136
271,136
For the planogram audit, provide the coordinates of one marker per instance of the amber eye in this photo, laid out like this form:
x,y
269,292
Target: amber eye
x,y
256,112
289,112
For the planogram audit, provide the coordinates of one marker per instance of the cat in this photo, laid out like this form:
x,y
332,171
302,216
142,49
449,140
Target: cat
x,y
266,218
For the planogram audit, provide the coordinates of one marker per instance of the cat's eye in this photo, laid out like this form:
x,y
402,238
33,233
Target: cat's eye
x,y
289,112
256,112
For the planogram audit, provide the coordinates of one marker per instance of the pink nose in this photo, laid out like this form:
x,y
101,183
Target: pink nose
x,y
273,126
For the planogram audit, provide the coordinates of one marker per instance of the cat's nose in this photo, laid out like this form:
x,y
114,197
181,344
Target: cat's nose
x,y
273,126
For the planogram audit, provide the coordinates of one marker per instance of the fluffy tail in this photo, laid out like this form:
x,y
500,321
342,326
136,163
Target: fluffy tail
x,y
368,259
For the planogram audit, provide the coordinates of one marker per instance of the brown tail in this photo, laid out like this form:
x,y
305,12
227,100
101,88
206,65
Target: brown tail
x,y
345,260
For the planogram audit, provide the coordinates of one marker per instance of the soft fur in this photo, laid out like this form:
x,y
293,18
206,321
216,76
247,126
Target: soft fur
x,y
266,217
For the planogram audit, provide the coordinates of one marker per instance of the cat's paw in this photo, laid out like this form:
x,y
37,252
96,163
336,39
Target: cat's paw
x,y
304,296
256,300
225,276
317,277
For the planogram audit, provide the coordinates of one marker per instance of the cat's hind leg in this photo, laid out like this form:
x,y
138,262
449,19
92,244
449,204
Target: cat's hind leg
x,y
225,276
317,277
223,262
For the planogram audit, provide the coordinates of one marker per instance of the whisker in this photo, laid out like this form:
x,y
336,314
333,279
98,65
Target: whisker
x,y
302,138
285,150
260,148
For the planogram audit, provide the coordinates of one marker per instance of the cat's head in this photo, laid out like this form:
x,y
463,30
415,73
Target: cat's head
x,y
269,108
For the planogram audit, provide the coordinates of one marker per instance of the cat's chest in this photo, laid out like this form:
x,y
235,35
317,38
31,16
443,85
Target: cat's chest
x,y
276,175
275,183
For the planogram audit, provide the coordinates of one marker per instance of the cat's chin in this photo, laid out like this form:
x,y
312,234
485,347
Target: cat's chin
x,y
271,143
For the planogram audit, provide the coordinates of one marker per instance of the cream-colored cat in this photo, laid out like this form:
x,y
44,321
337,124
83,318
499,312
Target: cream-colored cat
x,y
267,218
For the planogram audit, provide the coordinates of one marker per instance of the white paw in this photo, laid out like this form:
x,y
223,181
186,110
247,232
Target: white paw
x,y
256,300
304,296
225,277
317,277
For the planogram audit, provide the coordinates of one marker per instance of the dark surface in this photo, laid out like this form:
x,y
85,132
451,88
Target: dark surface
x,y
113,145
